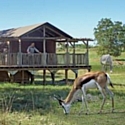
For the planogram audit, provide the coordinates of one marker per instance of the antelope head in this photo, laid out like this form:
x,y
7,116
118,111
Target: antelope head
x,y
66,107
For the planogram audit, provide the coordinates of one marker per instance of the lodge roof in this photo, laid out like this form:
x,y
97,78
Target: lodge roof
x,y
19,32
51,32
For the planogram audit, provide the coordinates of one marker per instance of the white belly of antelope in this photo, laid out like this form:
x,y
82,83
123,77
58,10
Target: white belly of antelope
x,y
90,85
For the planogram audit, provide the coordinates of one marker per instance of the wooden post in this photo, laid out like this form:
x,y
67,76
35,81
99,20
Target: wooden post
x,y
12,73
74,54
20,54
8,53
11,78
44,46
44,40
76,72
87,54
53,72
44,77
87,47
32,79
66,76
53,77
76,75
22,79
67,55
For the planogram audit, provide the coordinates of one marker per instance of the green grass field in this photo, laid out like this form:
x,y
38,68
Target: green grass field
x,y
35,105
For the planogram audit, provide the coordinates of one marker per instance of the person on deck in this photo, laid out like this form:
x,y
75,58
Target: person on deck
x,y
33,58
32,49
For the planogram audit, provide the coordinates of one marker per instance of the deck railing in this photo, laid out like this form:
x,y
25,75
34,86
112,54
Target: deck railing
x,y
23,59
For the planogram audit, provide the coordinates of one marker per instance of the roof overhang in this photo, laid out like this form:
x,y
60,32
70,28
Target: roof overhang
x,y
56,39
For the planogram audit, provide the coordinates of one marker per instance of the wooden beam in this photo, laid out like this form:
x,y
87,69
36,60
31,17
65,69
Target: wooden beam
x,y
82,39
58,39
36,29
54,31
9,38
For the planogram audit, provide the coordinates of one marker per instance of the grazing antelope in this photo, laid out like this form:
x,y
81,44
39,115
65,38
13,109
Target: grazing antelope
x,y
106,60
87,81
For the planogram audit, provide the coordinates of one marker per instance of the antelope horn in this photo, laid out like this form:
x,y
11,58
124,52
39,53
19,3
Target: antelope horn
x,y
57,97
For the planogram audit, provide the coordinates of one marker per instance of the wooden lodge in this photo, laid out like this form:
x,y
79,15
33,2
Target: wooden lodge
x,y
16,65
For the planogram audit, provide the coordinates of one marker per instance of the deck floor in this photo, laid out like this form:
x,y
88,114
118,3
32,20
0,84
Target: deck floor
x,y
51,67
21,78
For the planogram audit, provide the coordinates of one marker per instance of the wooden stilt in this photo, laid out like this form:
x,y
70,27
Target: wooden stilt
x,y
53,72
66,76
32,79
11,78
76,75
22,80
53,78
44,77
89,69
76,72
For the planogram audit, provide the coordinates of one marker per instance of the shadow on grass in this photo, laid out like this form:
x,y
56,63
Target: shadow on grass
x,y
36,97
58,75
29,98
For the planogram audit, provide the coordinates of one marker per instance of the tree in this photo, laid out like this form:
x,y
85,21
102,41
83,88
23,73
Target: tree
x,y
110,37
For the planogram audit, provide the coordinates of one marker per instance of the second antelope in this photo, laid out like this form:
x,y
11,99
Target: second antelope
x,y
91,80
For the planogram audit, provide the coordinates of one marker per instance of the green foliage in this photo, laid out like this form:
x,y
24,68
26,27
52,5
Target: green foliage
x,y
110,37
79,48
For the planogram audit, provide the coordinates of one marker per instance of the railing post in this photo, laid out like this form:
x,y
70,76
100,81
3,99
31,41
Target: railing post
x,y
20,59
44,58
87,53
67,58
44,46
8,53
67,54
20,53
74,62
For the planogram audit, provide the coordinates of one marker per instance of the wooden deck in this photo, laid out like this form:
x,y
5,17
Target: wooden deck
x,y
49,67
15,62
50,60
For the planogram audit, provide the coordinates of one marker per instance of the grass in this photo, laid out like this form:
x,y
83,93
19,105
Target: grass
x,y
34,104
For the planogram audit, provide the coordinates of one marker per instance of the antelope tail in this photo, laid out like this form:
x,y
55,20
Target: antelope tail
x,y
109,80
111,84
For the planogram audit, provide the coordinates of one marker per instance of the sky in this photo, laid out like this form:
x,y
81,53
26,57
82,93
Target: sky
x,y
78,18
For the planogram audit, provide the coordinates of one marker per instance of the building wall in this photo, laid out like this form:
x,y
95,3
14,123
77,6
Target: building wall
x,y
50,46
14,46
